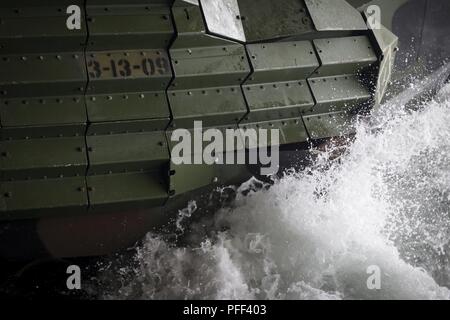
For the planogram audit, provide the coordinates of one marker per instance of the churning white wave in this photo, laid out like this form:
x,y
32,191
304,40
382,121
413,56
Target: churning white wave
x,y
314,234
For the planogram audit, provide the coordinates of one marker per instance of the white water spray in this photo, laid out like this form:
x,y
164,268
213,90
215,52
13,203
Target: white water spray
x,y
314,234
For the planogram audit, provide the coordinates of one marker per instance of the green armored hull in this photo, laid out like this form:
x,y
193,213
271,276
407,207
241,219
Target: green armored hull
x,y
87,113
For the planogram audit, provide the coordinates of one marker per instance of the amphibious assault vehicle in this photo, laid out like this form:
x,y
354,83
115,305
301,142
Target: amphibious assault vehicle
x,y
91,91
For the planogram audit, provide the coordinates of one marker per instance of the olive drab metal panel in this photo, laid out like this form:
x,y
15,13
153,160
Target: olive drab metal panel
x,y
209,72
338,93
124,190
289,64
43,116
334,15
268,20
87,115
340,85
29,26
129,71
127,62
344,55
277,91
36,198
332,124
223,18
387,45
39,158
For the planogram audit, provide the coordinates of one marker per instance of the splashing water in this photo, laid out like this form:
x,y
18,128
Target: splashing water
x,y
314,234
